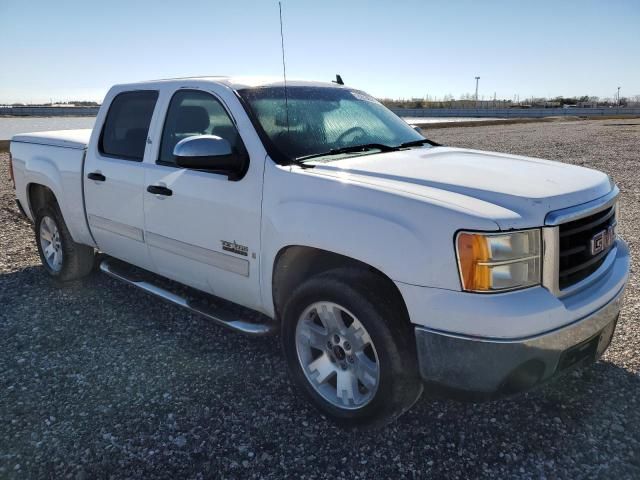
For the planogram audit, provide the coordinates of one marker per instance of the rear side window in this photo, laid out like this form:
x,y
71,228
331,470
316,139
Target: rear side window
x,y
125,131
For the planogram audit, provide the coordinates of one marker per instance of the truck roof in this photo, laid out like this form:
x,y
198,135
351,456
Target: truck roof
x,y
238,82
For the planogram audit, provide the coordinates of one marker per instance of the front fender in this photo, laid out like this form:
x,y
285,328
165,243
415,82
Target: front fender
x,y
358,233
406,238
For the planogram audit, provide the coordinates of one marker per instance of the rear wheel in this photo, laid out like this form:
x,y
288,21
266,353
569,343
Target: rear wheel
x,y
350,348
61,257
50,243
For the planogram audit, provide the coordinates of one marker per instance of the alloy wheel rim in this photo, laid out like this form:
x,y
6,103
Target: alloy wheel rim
x,y
51,244
337,355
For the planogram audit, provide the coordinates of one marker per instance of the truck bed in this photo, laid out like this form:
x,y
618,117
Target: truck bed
x,y
77,139
54,160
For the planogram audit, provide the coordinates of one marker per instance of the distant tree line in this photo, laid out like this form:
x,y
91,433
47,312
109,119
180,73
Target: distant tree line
x,y
72,103
469,101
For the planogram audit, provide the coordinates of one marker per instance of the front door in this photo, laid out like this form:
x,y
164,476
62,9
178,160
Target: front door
x,y
203,229
114,183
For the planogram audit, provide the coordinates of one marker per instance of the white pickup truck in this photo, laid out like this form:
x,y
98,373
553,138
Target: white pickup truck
x,y
388,263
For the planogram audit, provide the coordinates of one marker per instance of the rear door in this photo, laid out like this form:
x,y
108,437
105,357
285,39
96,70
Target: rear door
x,y
204,231
114,183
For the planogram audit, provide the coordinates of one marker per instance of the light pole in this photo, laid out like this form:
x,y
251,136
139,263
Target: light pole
x,y
618,96
477,78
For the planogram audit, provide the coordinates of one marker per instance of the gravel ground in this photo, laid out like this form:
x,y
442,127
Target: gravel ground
x,y
98,380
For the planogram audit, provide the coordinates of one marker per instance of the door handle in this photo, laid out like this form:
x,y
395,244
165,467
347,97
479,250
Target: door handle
x,y
98,177
159,190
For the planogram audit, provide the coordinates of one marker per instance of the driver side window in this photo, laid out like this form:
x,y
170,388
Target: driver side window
x,y
192,112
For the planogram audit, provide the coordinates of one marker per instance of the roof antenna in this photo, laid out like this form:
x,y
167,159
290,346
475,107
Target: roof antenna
x,y
284,69
338,80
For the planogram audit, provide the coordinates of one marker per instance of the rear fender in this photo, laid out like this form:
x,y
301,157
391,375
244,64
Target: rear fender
x,y
42,171
45,165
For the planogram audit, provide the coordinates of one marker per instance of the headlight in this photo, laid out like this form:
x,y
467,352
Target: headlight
x,y
491,262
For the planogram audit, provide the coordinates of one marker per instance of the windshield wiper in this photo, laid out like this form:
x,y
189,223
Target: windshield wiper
x,y
417,143
352,149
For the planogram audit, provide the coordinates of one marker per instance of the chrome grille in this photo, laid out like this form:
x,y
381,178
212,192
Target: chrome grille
x,y
577,260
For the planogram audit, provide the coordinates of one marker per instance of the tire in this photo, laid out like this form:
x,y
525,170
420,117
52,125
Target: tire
x,y
70,260
362,301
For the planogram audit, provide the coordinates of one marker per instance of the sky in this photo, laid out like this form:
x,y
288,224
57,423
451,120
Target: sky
x,y
76,49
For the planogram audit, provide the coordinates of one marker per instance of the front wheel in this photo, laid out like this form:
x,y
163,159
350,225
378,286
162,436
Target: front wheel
x,y
350,349
61,257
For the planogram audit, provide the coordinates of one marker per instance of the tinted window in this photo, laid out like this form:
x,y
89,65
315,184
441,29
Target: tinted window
x,y
192,112
125,130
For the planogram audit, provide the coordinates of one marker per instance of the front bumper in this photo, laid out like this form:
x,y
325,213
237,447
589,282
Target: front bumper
x,y
481,368
484,366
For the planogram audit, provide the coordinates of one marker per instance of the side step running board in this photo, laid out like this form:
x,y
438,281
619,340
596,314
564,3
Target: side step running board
x,y
226,314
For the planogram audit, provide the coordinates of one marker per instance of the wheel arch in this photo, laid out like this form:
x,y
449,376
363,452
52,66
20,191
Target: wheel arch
x,y
295,263
38,196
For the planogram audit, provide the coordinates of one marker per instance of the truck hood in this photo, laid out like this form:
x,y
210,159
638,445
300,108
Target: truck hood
x,y
513,191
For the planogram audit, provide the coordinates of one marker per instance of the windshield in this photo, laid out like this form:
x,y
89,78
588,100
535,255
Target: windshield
x,y
321,119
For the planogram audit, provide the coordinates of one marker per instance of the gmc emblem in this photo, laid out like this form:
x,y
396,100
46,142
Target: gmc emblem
x,y
601,241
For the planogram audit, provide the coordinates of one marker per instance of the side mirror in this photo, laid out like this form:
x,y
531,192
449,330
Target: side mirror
x,y
208,152
418,129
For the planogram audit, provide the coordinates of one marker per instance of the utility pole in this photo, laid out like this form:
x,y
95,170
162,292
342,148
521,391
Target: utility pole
x,y
477,79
